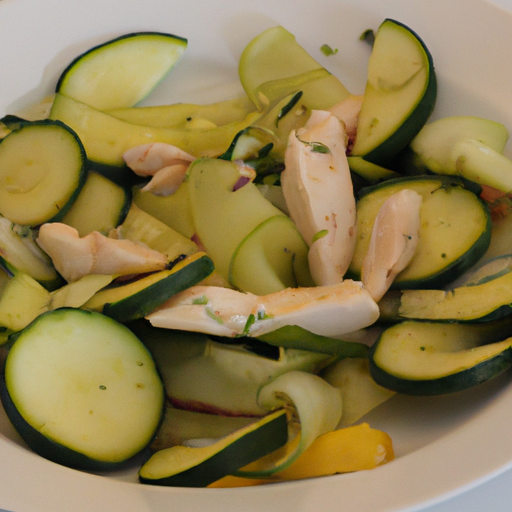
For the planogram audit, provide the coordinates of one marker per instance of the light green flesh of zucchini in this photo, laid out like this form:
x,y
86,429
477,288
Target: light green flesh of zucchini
x,y
398,78
142,227
106,138
275,56
197,467
485,301
41,170
100,206
428,351
122,72
271,258
449,243
22,254
435,141
86,383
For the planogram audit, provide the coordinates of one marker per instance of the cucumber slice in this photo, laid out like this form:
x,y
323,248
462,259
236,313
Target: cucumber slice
x,y
82,390
136,299
123,71
101,206
425,358
400,93
183,466
19,252
449,243
275,56
42,169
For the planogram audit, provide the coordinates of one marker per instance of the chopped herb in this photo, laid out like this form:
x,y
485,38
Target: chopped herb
x,y
248,324
214,316
201,300
327,50
316,147
320,234
422,349
102,387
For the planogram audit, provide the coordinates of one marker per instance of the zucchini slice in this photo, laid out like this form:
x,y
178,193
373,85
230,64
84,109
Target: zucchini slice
x,y
449,243
185,466
106,138
400,93
42,169
101,206
488,300
82,390
123,71
19,252
136,299
426,358
275,57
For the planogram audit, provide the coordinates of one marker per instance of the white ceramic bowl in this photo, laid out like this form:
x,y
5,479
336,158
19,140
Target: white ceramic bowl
x,y
443,445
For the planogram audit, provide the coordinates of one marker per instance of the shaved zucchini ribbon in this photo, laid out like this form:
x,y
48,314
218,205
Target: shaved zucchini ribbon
x,y
316,404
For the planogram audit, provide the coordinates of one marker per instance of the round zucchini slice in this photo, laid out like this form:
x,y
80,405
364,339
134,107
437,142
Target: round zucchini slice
x,y
123,71
42,170
400,93
82,390
428,358
449,243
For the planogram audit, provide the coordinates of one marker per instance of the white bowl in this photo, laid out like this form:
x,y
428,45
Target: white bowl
x,y
444,445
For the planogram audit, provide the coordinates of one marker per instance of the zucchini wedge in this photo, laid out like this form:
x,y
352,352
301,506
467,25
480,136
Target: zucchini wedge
x,y
82,390
123,71
488,300
19,252
136,299
426,358
274,58
185,466
42,169
449,243
400,93
100,206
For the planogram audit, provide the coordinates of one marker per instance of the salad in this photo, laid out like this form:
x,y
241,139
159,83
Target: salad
x,y
288,286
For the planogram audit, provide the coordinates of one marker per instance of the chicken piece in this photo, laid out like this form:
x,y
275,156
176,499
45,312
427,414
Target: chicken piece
x,y
325,310
75,257
166,164
348,111
318,191
393,242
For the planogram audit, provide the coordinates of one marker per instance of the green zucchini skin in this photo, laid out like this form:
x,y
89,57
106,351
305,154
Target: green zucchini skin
x,y
448,269
459,377
57,204
69,75
44,446
146,300
26,423
249,444
385,152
